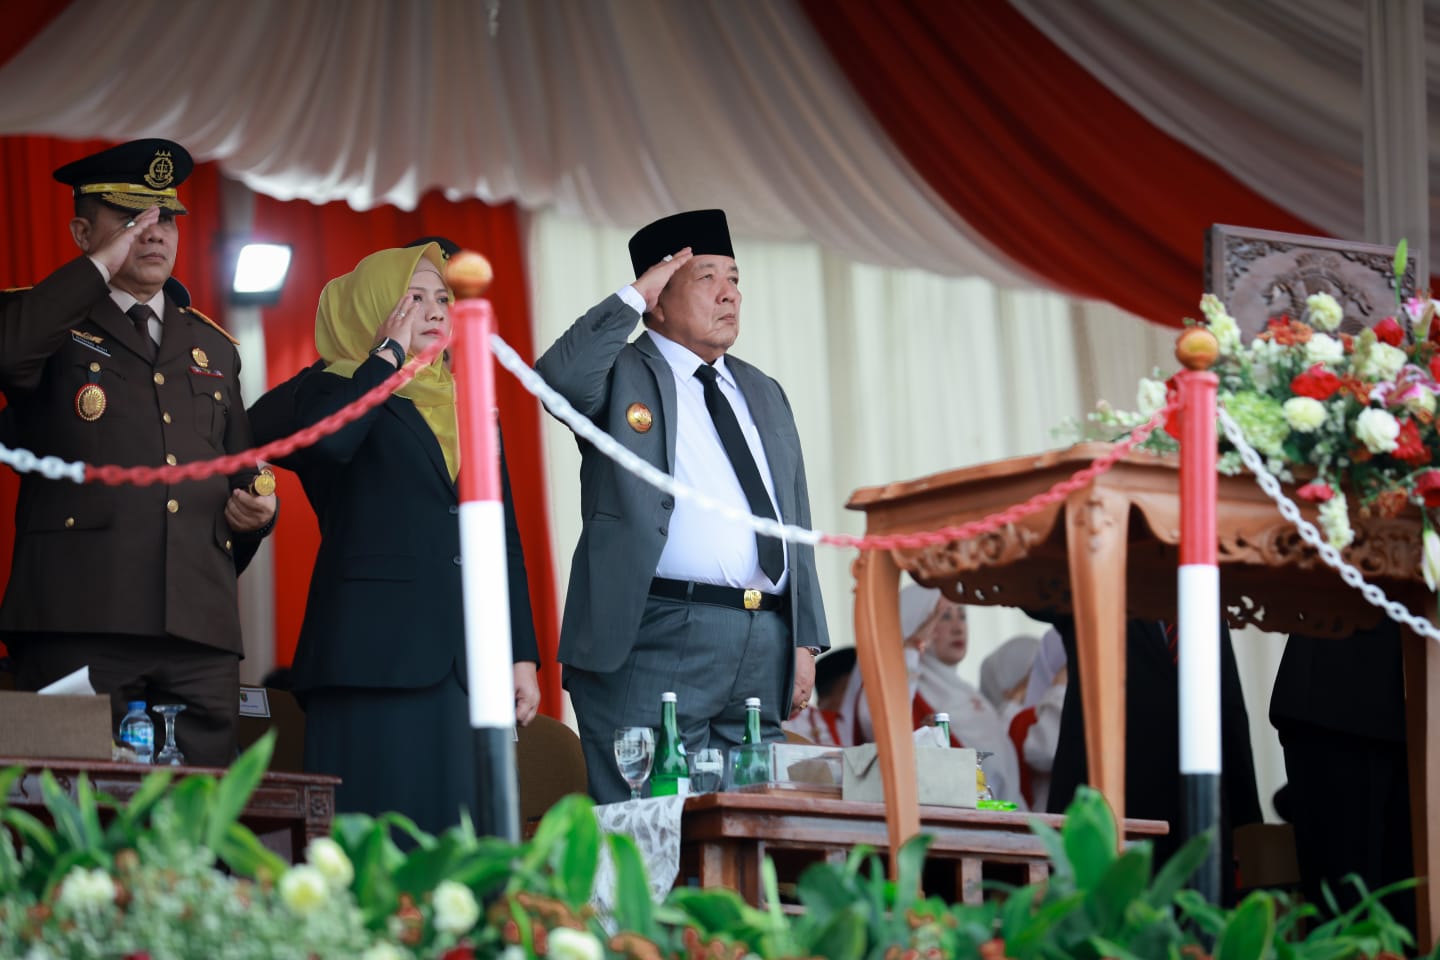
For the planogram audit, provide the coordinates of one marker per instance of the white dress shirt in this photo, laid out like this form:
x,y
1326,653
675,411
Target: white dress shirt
x,y
703,545
125,301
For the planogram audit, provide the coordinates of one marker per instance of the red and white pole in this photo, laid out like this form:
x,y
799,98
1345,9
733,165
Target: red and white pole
x,y
1199,599
484,580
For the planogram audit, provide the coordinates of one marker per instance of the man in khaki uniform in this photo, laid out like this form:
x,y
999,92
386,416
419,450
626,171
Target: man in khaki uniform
x,y
100,363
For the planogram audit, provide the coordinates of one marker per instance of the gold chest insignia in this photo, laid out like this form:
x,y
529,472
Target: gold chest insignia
x,y
200,357
90,401
639,417
162,170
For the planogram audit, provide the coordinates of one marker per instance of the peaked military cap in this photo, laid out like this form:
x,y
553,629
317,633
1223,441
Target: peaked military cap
x,y
132,176
703,231
448,248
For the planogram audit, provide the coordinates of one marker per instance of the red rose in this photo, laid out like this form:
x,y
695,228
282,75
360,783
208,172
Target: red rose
x,y
462,951
1317,383
1388,331
1316,492
1435,363
1427,485
1408,447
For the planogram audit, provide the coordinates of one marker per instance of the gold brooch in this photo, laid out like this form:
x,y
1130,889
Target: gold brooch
x,y
639,417
90,401
200,357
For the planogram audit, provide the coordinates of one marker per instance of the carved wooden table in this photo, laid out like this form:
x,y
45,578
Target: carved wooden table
x,y
1108,553
286,810
725,837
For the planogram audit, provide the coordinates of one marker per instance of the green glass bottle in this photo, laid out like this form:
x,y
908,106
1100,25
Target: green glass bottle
x,y
752,764
671,774
942,720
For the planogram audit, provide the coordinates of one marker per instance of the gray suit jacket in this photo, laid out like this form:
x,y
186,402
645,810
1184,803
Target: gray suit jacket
x,y
625,520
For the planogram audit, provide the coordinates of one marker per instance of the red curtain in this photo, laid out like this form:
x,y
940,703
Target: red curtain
x,y
1036,154
37,241
329,240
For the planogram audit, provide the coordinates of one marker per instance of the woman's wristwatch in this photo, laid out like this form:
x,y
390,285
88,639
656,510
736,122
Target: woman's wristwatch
x,y
397,351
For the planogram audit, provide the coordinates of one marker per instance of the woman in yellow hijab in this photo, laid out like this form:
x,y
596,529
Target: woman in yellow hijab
x,y
380,663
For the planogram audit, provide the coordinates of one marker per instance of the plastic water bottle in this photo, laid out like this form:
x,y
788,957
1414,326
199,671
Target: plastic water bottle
x,y
138,732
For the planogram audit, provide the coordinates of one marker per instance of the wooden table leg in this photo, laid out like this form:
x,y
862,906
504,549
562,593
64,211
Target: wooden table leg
x,y
878,645
1422,738
1097,529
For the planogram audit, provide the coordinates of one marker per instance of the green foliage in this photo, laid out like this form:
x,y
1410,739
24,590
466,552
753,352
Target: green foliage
x,y
384,888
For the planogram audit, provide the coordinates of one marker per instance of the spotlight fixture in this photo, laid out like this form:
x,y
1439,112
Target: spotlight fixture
x,y
260,270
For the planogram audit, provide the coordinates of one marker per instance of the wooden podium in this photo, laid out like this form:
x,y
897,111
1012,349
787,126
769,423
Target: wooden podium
x,y
1108,553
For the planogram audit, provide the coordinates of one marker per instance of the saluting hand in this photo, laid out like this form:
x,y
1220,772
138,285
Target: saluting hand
x,y
114,250
244,511
399,326
653,281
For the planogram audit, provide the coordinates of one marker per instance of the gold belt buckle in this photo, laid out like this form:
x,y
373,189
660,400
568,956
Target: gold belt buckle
x,y
752,599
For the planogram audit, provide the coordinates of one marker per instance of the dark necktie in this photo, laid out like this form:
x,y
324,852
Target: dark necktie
x,y
772,553
140,315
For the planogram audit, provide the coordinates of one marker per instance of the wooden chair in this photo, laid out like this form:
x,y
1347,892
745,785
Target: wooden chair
x,y
549,764
1259,274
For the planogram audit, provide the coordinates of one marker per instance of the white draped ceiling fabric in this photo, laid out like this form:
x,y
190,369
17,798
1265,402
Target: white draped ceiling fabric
x,y
1251,86
616,113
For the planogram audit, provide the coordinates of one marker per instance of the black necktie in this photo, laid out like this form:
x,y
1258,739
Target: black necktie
x,y
772,553
140,315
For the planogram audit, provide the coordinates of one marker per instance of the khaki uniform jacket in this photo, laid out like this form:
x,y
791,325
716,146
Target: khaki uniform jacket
x,y
93,559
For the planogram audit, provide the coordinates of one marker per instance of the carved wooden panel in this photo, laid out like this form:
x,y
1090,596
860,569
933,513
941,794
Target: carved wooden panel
x,y
1259,274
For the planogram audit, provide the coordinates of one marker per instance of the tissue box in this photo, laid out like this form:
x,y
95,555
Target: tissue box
x,y
54,727
946,777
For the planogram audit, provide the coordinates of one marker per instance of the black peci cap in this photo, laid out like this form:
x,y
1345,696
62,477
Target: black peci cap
x,y
132,176
703,231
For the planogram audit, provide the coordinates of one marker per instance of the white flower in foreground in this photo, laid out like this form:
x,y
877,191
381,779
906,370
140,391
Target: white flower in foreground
x,y
384,951
567,944
1420,400
303,889
1322,348
325,855
1150,397
1323,311
1381,362
1378,430
1335,520
86,890
513,952
455,908
1304,414
1430,558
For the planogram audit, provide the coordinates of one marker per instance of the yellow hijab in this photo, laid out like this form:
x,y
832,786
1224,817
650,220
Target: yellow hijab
x,y
353,306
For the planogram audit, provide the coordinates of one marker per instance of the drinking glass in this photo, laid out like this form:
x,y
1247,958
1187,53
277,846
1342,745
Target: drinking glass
x,y
707,769
634,752
171,754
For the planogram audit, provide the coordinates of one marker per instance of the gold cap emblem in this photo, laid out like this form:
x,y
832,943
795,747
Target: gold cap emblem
x,y
200,358
264,483
162,170
90,402
639,417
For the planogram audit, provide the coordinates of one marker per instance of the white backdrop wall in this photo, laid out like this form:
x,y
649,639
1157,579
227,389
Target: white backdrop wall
x,y
892,374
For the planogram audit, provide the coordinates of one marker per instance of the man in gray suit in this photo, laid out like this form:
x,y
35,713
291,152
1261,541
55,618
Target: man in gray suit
x,y
665,595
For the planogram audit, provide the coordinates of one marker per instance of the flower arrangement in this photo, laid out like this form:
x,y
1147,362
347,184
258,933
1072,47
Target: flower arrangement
x,y
1352,416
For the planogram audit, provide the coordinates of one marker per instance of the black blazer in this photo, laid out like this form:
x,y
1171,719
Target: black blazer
x,y
385,607
1353,684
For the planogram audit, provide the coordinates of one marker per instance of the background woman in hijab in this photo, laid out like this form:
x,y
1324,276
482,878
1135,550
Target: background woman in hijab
x,y
380,663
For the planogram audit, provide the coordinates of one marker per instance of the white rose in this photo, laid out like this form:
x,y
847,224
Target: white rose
x,y
1335,520
513,952
1304,414
1421,400
325,855
1323,348
567,944
303,889
1323,311
1378,430
1150,397
384,951
455,908
1227,334
1381,362
86,890
1430,558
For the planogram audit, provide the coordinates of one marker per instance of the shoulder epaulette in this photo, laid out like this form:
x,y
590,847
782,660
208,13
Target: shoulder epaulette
x,y
16,289
221,330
